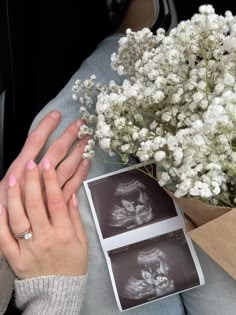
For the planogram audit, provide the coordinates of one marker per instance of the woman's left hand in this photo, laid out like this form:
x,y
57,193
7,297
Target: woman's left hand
x,y
57,245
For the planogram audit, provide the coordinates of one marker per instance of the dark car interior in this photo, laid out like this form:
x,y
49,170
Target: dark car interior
x,y
42,43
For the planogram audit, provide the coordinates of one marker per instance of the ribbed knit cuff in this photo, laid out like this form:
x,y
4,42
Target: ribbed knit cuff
x,y
50,295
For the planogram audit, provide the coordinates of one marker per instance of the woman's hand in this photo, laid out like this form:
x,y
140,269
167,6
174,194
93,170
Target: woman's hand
x,y
58,243
69,170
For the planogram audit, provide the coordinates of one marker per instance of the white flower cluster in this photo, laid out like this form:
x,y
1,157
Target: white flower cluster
x,y
177,105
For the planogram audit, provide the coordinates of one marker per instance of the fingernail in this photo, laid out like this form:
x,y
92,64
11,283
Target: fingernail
x,y
79,123
30,165
11,181
46,164
55,114
1,209
75,200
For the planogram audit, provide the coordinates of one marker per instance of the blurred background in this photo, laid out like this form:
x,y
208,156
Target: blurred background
x,y
42,43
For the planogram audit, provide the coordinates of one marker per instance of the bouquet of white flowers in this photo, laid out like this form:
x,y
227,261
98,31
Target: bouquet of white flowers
x,y
176,106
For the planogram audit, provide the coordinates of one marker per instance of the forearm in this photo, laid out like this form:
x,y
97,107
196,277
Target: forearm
x,y
50,295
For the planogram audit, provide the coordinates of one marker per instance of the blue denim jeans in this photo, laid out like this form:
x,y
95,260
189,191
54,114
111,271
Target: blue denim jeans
x,y
216,297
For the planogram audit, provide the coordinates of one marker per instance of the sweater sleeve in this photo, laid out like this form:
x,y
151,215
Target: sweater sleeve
x,y
50,295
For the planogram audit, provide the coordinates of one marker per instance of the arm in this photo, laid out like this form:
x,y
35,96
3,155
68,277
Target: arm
x,y
50,265
50,295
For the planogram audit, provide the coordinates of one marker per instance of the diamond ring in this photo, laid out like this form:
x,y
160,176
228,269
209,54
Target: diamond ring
x,y
25,235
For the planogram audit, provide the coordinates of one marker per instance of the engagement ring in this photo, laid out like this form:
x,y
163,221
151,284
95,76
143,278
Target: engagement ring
x,y
25,235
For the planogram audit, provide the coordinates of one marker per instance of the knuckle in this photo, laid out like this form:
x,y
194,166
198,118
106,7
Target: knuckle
x,y
65,170
72,131
18,224
65,237
68,190
32,203
13,193
34,140
54,200
44,245
58,151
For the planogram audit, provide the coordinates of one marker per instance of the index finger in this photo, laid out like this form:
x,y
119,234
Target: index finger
x,y
61,146
35,142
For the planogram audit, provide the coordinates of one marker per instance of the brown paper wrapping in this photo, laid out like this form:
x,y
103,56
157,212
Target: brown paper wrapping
x,y
214,230
199,212
218,239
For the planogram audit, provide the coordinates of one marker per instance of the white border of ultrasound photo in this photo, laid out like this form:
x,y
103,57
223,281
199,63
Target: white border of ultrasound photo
x,y
146,232
163,221
197,267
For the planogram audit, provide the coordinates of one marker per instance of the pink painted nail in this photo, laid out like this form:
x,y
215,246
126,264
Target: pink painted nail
x,y
11,181
75,200
55,114
46,164
30,165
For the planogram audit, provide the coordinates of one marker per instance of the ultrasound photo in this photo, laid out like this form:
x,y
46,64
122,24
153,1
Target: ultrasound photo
x,y
129,200
153,268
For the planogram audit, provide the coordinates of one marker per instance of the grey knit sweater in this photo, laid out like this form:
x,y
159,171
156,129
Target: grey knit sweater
x,y
50,295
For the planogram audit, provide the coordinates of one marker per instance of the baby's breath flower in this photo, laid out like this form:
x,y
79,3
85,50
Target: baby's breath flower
x,y
84,130
177,105
160,155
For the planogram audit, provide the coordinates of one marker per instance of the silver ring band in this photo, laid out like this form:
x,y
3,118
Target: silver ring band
x,y
25,235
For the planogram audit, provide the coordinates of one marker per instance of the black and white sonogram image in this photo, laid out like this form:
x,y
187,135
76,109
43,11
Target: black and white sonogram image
x,y
131,205
153,268
128,200
154,273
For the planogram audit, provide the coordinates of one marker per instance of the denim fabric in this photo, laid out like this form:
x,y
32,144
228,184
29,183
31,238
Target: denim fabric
x,y
99,297
216,297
